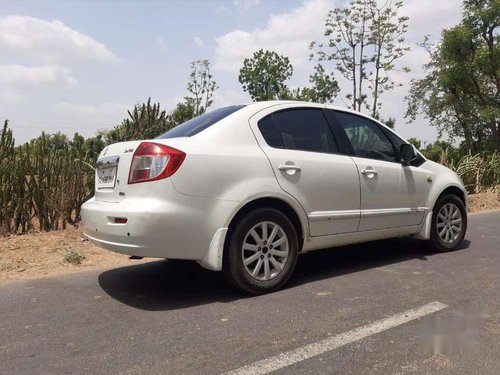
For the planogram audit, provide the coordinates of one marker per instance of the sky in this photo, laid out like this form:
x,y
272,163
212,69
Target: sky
x,y
77,66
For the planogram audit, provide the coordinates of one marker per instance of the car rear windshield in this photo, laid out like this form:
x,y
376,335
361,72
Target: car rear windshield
x,y
200,123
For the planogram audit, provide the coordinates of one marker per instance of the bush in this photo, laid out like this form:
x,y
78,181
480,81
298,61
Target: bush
x,y
478,172
44,183
74,257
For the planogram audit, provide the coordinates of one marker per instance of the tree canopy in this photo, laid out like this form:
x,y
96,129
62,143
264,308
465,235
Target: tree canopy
x,y
364,40
460,94
264,74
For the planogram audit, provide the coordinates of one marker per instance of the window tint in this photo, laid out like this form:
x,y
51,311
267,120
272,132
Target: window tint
x,y
200,123
304,129
366,137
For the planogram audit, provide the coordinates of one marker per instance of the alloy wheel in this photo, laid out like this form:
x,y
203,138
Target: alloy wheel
x,y
449,223
265,251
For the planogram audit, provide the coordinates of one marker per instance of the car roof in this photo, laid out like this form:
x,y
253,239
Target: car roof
x,y
265,104
257,106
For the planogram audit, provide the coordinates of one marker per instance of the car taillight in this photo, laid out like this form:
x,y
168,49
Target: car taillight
x,y
154,161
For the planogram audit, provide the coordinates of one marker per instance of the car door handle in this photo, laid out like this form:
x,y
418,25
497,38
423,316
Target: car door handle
x,y
289,167
369,172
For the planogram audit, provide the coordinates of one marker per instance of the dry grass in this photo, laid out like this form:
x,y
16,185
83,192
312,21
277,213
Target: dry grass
x,y
489,200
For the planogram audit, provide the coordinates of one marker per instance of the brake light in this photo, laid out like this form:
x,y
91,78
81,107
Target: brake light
x,y
154,161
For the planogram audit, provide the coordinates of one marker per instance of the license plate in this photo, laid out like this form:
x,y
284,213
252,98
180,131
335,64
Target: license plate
x,y
106,177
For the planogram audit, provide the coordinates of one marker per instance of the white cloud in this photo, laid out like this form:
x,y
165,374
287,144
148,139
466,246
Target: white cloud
x,y
48,42
430,17
38,52
288,34
75,109
88,118
160,44
227,97
198,41
8,99
245,5
24,76
221,9
102,110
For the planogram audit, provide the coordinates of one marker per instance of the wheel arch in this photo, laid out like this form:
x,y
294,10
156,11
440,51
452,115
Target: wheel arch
x,y
272,202
454,190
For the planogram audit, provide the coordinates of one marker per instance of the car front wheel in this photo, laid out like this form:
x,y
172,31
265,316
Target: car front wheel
x,y
261,252
449,223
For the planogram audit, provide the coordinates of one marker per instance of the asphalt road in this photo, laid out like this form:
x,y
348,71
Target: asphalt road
x,y
175,318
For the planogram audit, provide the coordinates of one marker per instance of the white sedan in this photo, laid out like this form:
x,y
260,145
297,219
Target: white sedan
x,y
246,189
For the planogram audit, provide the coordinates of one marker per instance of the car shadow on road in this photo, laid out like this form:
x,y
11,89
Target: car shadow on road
x,y
170,285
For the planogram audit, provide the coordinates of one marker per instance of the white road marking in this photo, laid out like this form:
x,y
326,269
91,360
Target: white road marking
x,y
291,357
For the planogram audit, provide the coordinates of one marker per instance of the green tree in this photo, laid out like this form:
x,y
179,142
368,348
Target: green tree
x,y
386,37
263,75
183,112
437,151
202,86
460,94
390,122
364,40
93,146
145,121
324,85
323,90
415,142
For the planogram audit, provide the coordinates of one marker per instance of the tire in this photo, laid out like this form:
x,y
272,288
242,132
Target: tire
x,y
243,245
442,223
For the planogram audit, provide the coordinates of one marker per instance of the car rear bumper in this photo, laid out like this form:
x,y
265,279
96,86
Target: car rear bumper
x,y
180,228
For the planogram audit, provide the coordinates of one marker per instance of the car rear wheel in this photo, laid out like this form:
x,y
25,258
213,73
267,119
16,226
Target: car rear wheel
x,y
449,223
261,252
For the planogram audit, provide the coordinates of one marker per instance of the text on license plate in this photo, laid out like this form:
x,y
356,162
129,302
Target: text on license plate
x,y
106,177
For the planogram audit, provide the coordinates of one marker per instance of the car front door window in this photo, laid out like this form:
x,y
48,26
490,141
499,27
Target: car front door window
x,y
367,139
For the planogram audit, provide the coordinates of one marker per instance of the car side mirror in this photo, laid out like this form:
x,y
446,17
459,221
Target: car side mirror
x,y
407,153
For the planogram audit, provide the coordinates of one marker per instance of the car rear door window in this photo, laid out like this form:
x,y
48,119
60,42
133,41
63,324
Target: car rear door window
x,y
366,137
303,129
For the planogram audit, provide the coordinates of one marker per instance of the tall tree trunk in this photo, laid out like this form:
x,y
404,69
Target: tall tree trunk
x,y
495,133
354,80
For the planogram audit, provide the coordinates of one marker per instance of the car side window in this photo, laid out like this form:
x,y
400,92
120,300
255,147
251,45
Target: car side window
x,y
304,129
417,162
366,137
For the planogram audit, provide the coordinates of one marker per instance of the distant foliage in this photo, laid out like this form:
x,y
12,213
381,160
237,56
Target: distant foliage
x,y
145,121
264,74
323,90
479,172
9,181
460,95
364,40
183,112
201,86
44,182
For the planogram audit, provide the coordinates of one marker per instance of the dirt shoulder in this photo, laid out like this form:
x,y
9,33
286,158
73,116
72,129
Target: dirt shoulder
x,y
485,201
52,253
